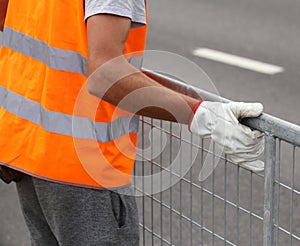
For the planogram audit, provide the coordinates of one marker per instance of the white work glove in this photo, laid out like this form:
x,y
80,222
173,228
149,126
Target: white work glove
x,y
220,121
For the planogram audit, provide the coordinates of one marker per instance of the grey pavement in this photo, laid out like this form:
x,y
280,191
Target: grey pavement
x,y
266,30
13,231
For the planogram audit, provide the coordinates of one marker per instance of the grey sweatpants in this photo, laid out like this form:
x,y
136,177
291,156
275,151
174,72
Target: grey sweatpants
x,y
64,215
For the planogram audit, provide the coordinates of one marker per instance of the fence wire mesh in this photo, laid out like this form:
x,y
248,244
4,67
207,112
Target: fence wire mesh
x,y
232,206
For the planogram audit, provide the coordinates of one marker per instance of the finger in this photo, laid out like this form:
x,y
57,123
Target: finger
x,y
238,138
251,133
245,154
255,166
243,110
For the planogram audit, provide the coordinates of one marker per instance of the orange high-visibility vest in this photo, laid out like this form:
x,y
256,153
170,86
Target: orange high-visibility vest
x,y
42,72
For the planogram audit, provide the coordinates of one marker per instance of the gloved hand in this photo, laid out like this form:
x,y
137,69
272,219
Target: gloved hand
x,y
220,121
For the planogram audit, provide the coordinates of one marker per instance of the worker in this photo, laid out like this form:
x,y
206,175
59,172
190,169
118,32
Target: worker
x,y
49,50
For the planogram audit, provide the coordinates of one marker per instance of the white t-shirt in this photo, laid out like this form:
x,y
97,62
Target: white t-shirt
x,y
133,9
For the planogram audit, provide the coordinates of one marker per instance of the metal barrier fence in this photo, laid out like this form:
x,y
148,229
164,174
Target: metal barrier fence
x,y
233,206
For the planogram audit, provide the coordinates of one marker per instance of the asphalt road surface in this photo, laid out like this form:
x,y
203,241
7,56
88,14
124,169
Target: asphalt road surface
x,y
266,31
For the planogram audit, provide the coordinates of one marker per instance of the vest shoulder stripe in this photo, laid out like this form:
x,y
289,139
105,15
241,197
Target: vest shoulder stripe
x,y
55,58
59,59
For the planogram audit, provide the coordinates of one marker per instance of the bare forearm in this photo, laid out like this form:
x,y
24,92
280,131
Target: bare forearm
x,y
120,84
3,8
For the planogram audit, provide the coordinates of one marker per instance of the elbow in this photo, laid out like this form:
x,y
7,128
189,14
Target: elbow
x,y
90,87
99,83
1,25
2,18
94,88
102,92
98,89
3,10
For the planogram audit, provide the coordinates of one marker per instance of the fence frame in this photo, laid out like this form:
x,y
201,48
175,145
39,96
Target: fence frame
x,y
272,127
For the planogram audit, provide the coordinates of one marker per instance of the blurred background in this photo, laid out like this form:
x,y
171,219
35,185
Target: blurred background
x,y
264,31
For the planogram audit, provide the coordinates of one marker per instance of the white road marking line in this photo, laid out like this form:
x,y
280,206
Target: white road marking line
x,y
238,61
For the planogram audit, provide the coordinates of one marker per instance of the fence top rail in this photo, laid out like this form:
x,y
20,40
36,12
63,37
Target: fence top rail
x,y
266,123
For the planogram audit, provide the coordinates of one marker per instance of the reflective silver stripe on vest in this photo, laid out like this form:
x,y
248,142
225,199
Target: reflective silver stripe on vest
x,y
136,61
64,60
64,124
55,58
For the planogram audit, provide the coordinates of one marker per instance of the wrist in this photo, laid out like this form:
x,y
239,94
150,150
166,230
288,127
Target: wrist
x,y
193,113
